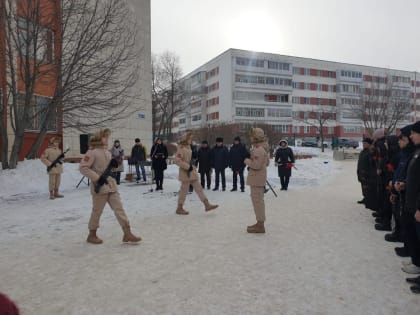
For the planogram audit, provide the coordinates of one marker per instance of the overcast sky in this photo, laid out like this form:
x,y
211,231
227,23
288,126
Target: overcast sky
x,y
381,33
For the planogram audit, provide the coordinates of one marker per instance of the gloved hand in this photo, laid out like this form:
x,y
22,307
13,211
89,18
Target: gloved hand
x,y
190,169
102,180
113,163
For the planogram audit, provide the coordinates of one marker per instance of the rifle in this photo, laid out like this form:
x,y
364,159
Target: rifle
x,y
108,172
271,188
192,162
58,160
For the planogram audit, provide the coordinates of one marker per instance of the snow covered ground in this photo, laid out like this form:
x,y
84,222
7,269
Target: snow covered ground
x,y
320,254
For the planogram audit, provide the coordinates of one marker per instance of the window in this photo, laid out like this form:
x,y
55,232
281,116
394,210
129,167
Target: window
x,y
296,129
250,62
213,101
306,129
213,116
278,65
212,73
352,129
279,112
213,87
249,112
196,117
252,79
38,113
280,128
182,121
35,40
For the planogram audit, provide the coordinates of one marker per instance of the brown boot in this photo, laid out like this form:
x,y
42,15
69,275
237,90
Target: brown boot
x,y
256,228
57,194
52,194
130,237
181,210
92,238
208,205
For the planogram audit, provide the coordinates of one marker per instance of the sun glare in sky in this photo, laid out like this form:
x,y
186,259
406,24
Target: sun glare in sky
x,y
254,30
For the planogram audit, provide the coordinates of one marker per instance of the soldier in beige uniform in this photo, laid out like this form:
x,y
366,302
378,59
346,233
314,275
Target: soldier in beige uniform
x,y
188,175
93,166
257,176
49,156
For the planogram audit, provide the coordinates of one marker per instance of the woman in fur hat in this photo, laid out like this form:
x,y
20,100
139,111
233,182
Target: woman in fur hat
x,y
188,175
285,160
93,165
257,175
48,157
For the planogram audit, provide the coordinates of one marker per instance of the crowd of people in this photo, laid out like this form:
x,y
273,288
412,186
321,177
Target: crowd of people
x,y
389,173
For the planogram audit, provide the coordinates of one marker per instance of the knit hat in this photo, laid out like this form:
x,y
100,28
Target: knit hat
x,y
257,135
237,139
185,137
219,139
378,134
416,127
367,140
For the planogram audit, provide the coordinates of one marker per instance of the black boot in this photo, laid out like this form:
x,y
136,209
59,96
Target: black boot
x,y
361,201
392,237
415,289
383,227
402,252
415,280
234,189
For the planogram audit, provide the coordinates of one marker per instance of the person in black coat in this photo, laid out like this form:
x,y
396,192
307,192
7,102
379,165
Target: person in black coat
x,y
412,204
219,160
284,160
203,158
237,155
363,165
158,155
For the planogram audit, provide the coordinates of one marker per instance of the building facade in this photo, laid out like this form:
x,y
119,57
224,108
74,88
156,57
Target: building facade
x,y
138,115
27,19
138,121
288,93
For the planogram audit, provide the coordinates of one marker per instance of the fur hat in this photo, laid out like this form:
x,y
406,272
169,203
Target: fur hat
x,y
257,135
378,134
54,140
416,127
96,140
204,142
219,139
237,139
185,137
283,140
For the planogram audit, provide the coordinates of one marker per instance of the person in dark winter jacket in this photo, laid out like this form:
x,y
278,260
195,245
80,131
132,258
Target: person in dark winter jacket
x,y
363,165
397,197
284,160
203,158
219,157
237,155
412,205
158,155
138,157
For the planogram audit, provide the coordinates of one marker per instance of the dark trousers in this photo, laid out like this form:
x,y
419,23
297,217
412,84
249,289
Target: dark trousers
x,y
159,178
284,180
203,176
235,174
117,176
220,172
413,242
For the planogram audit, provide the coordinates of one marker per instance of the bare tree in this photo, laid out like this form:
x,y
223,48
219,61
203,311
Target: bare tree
x,y
382,104
84,51
318,117
167,92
